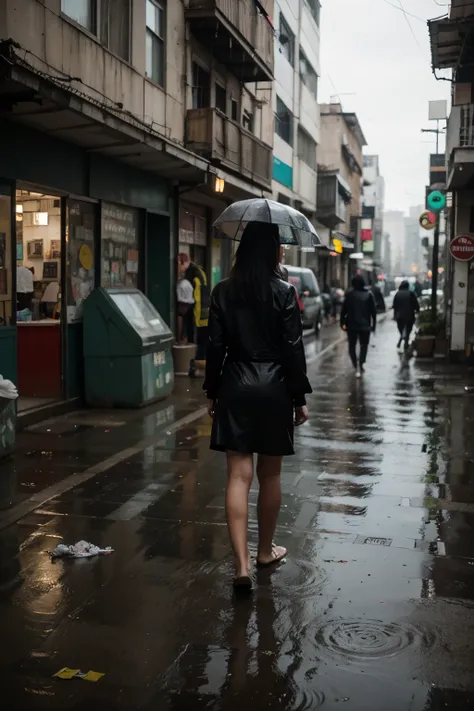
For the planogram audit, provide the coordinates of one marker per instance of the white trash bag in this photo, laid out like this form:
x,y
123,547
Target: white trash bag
x,y
82,549
7,389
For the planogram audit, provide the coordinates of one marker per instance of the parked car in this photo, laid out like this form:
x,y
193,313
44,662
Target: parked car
x,y
307,288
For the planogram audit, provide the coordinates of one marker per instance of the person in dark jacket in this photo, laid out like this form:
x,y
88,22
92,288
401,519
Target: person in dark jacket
x,y
359,318
378,297
405,308
256,385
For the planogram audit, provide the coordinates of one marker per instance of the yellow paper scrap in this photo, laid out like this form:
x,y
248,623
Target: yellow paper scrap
x,y
92,676
66,673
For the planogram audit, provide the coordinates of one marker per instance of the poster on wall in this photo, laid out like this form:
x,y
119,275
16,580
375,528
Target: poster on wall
x,y
119,245
80,256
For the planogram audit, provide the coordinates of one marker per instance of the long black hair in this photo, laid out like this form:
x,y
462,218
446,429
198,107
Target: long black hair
x,y
256,262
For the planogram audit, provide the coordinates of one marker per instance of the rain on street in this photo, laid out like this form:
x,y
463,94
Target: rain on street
x,y
372,610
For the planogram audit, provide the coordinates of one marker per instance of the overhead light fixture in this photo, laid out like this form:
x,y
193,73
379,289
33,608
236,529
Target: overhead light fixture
x,y
19,208
219,185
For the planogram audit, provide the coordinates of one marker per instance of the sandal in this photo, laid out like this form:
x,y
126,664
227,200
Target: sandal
x,y
277,557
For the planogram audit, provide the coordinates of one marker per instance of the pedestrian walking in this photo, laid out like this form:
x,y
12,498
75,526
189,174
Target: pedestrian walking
x,y
256,385
405,308
359,319
201,295
185,297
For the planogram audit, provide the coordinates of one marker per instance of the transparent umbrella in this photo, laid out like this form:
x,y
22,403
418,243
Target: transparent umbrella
x,y
293,226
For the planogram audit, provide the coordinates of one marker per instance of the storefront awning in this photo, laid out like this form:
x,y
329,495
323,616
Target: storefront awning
x,y
449,37
347,243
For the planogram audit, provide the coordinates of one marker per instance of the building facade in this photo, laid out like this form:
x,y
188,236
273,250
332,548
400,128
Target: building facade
x,y
296,109
126,127
372,211
340,183
452,40
394,226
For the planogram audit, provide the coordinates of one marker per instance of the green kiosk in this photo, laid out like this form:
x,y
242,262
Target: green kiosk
x,y
127,350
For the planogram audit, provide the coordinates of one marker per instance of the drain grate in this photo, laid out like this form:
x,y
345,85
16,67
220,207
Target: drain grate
x,y
373,541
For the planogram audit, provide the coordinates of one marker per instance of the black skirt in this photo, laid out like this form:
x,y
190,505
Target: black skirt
x,y
254,411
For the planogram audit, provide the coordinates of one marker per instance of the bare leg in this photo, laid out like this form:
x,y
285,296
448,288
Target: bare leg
x,y
239,480
269,502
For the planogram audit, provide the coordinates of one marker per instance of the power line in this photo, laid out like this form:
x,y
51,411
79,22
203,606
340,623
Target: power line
x,y
409,25
401,9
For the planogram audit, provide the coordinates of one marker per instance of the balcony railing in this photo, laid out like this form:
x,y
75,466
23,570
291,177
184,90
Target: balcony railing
x,y
223,141
241,38
333,197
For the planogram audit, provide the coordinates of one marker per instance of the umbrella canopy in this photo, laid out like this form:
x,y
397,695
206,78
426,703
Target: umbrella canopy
x,y
293,226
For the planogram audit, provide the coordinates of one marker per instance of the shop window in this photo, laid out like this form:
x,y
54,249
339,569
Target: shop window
x,y
81,230
155,41
201,87
5,262
119,246
315,8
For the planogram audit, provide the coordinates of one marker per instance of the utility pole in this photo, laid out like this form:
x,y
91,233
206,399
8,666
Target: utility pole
x,y
434,268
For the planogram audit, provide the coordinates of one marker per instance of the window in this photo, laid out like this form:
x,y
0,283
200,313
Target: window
x,y
315,8
221,98
155,41
115,26
306,148
247,120
108,19
234,109
308,75
283,122
201,87
119,246
84,12
80,256
287,41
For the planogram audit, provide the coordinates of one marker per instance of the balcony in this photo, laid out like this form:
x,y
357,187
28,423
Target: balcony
x,y
240,37
334,195
224,142
460,147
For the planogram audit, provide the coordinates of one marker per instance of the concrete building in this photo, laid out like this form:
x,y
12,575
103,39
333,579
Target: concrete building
x,y
295,107
339,205
394,226
126,126
414,260
373,208
452,47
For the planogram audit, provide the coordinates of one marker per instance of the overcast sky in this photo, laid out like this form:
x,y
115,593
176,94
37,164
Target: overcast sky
x,y
368,48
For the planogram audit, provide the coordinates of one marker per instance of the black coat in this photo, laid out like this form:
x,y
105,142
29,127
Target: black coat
x,y
405,306
255,370
358,311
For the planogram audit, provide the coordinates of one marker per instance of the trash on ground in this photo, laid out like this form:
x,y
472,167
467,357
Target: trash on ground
x,y
66,673
7,389
82,549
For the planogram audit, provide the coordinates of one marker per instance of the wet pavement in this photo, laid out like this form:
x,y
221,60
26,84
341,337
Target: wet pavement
x,y
373,610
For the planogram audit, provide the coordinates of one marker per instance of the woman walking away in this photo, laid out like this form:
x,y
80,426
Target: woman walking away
x,y
256,384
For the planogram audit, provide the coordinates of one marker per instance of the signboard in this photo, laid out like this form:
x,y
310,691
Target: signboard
x,y
462,248
337,246
427,220
366,235
368,246
436,200
437,110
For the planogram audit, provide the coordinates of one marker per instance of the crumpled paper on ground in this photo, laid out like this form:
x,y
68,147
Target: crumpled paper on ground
x,y
81,549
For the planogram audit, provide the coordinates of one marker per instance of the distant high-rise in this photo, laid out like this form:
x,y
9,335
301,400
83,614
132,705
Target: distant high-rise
x,y
394,226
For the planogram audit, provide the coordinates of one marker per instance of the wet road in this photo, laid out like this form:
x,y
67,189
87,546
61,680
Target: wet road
x,y
373,610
